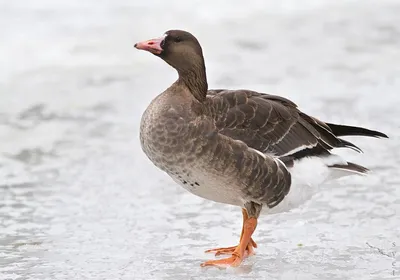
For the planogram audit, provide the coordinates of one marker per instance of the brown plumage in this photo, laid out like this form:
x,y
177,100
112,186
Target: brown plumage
x,y
233,146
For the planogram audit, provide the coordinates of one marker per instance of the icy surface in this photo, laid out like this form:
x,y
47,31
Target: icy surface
x,y
79,199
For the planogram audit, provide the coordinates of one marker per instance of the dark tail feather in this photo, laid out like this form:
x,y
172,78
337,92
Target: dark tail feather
x,y
345,130
342,170
352,167
347,144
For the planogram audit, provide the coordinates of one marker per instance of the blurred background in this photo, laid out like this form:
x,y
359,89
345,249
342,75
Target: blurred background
x,y
79,199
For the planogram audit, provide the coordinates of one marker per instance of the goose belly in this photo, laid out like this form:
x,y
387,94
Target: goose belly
x,y
209,186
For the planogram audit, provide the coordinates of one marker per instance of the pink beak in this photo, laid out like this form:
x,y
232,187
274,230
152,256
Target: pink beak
x,y
153,45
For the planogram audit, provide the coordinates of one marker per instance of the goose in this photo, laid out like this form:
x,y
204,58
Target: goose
x,y
238,147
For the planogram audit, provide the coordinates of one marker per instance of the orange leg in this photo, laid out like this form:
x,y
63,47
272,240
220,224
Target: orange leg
x,y
229,250
239,253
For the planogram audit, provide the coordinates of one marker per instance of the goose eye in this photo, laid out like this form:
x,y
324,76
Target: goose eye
x,y
177,39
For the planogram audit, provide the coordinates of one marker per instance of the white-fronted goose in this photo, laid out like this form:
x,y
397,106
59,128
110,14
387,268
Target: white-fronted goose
x,y
237,147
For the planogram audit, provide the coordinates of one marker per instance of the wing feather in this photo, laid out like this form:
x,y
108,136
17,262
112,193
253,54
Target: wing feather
x,y
271,124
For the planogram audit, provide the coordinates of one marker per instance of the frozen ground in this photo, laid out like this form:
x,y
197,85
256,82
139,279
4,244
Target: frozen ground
x,y
78,198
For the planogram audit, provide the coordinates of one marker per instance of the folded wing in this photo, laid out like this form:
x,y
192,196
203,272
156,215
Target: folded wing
x,y
273,124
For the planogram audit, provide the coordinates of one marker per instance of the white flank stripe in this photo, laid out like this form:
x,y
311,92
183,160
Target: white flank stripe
x,y
298,149
258,152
